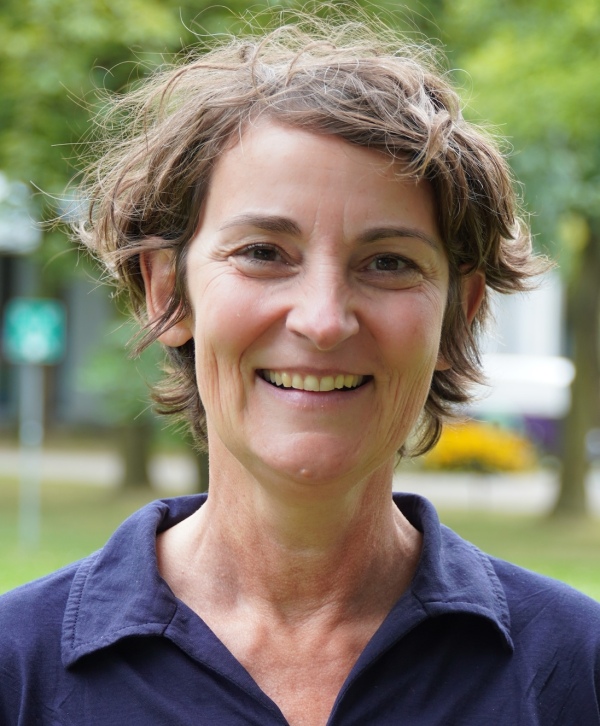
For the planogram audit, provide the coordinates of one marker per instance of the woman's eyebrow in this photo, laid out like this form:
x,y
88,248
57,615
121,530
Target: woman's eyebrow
x,y
380,233
282,225
285,225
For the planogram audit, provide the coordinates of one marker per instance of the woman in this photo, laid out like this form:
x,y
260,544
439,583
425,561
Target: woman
x,y
310,227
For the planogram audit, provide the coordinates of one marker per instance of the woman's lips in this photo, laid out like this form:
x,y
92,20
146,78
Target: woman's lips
x,y
312,382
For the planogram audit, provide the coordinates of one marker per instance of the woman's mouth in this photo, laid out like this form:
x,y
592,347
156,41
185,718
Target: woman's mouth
x,y
301,382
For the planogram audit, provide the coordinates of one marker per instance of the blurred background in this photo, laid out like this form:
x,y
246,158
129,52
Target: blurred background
x,y
79,446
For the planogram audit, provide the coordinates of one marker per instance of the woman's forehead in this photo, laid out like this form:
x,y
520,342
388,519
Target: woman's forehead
x,y
280,170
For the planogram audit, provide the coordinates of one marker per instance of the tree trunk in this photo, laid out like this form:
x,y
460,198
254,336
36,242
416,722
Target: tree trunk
x,y
583,309
135,445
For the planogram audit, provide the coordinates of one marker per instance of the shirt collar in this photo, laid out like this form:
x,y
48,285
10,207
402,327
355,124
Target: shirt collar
x,y
118,591
453,576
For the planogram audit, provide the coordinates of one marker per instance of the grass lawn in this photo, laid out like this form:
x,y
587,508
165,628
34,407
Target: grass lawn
x,y
78,519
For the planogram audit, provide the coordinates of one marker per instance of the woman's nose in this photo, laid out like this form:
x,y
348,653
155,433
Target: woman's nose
x,y
323,311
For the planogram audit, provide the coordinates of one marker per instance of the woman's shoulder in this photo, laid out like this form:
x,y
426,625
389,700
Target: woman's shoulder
x,y
31,625
527,589
545,612
528,596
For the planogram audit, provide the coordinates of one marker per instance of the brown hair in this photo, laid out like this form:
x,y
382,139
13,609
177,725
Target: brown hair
x,y
365,86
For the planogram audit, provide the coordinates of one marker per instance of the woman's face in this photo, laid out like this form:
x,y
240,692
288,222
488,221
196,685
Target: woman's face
x,y
318,283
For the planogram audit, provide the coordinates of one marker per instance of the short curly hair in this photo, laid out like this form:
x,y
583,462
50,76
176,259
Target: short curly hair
x,y
368,86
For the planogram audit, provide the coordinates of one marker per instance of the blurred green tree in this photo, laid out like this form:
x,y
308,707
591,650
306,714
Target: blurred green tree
x,y
123,388
54,57
534,67
124,405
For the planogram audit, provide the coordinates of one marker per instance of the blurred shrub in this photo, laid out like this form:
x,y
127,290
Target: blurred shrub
x,y
482,447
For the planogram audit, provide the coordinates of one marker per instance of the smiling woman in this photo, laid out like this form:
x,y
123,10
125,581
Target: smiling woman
x,y
309,226
335,259
348,83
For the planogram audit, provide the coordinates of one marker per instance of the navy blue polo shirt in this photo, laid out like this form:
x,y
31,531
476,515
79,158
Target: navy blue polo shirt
x,y
475,641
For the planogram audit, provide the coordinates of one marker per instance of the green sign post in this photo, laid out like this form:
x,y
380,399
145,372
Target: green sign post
x,y
34,331
33,336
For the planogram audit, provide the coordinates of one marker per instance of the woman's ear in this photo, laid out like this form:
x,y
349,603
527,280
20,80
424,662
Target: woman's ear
x,y
472,290
158,273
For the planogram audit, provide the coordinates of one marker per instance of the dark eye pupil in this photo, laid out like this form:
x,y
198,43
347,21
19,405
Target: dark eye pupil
x,y
387,263
264,253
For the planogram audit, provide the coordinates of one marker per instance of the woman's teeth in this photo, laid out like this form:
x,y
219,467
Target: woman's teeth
x,y
312,383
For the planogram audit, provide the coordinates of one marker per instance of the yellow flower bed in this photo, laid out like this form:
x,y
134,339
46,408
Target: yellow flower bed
x,y
479,446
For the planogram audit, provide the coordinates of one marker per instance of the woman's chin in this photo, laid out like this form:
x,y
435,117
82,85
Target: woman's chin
x,y
315,461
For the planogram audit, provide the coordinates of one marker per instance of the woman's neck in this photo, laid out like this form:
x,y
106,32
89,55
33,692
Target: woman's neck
x,y
341,550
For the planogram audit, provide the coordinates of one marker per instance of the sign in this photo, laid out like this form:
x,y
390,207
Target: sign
x,y
34,331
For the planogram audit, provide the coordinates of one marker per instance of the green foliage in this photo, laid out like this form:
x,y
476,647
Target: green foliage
x,y
533,65
55,53
533,68
56,59
123,384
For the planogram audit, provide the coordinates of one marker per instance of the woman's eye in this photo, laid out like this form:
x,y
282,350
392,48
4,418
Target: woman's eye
x,y
262,260
392,271
260,253
387,263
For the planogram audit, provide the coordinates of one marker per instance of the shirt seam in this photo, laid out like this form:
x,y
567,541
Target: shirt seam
x,y
88,564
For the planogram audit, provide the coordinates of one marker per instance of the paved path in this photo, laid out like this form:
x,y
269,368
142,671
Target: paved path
x,y
101,468
526,493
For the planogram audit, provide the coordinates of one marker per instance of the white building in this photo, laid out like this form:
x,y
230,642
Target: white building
x,y
522,358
